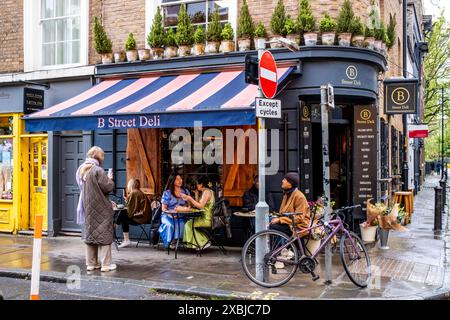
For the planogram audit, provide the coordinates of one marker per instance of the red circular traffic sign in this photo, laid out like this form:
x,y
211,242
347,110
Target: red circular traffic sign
x,y
268,78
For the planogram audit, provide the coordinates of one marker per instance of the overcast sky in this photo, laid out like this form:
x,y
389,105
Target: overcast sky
x,y
434,8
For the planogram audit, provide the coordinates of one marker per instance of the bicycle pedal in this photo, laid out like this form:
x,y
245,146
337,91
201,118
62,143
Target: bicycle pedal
x,y
315,277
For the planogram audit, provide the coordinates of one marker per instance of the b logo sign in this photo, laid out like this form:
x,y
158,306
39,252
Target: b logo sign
x,y
400,96
352,72
365,114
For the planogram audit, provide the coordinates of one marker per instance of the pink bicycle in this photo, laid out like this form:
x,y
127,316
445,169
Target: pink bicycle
x,y
285,254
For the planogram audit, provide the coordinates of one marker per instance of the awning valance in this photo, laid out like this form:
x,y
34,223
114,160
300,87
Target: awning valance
x,y
170,101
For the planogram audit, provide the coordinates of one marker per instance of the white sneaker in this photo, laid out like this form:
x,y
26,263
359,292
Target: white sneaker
x,y
207,245
92,268
287,254
111,267
279,265
125,244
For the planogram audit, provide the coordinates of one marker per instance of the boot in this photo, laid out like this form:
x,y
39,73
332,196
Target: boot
x,y
126,240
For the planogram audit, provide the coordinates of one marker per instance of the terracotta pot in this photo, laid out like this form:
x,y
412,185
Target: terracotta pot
x,y
294,38
369,42
260,42
107,58
158,53
310,38
212,47
227,46
274,45
368,233
328,38
244,44
358,41
312,246
377,45
345,39
144,54
170,52
199,49
132,55
119,56
184,51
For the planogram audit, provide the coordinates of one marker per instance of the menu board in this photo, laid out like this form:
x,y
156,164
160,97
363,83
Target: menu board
x,y
364,154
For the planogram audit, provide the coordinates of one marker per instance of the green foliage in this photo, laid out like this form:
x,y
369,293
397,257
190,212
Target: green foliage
x,y
305,20
131,43
327,24
374,16
260,31
199,35
214,31
369,32
391,31
290,26
380,33
101,41
185,31
246,27
278,19
346,16
171,40
357,27
228,32
156,37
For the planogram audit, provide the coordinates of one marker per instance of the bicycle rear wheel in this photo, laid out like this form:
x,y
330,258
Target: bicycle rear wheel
x,y
280,260
355,259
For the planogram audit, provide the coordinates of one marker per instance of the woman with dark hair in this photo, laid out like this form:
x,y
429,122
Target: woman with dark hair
x,y
172,201
204,199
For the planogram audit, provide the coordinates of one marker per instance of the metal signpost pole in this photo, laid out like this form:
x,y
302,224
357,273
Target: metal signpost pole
x,y
326,175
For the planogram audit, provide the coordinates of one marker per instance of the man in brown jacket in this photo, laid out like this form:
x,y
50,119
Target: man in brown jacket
x,y
293,201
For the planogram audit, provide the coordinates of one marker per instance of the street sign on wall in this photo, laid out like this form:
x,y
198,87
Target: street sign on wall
x,y
33,100
417,131
400,96
268,78
268,108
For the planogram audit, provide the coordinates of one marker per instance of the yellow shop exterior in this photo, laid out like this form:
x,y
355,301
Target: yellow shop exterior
x,y
23,175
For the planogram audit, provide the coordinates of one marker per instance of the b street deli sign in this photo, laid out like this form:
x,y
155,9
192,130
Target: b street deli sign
x,y
400,97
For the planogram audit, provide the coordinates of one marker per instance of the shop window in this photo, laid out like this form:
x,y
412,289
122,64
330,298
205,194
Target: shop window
x,y
6,157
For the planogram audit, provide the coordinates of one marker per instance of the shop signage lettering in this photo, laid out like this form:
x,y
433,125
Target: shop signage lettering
x,y
133,122
268,108
400,96
33,100
352,76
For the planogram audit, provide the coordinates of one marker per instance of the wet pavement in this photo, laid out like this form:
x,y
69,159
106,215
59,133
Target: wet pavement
x,y
417,266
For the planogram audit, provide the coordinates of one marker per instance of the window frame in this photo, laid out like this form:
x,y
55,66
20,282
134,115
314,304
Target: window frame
x,y
33,42
151,5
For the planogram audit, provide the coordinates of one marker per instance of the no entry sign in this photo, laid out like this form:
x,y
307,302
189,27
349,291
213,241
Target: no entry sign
x,y
268,78
418,131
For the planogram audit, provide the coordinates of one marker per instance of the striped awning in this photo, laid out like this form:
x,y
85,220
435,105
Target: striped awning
x,y
170,101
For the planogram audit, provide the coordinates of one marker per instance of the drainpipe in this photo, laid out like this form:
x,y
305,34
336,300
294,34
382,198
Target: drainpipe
x,y
405,169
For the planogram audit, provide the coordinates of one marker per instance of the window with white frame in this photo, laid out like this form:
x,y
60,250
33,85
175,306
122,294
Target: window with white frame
x,y
200,11
55,33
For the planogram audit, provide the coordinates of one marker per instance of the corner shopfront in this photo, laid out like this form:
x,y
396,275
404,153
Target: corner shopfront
x,y
140,103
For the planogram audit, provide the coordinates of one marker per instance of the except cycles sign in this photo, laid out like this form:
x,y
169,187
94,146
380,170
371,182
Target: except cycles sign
x,y
268,108
400,96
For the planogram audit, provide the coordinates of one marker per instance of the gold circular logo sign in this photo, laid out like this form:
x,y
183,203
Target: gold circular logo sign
x,y
365,114
400,96
306,112
352,72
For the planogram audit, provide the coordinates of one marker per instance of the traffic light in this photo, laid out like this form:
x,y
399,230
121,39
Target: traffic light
x,y
251,69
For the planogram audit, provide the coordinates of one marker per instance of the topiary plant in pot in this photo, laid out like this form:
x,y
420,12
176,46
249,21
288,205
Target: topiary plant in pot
x,y
369,37
380,36
103,44
277,23
307,23
328,30
260,36
156,37
391,31
246,28
292,30
185,32
344,24
130,48
199,41
357,29
227,38
170,46
214,32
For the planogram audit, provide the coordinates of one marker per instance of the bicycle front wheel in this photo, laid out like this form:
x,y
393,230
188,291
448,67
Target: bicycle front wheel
x,y
355,259
279,261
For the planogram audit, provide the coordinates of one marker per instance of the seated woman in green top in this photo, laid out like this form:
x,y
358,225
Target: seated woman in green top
x,y
205,201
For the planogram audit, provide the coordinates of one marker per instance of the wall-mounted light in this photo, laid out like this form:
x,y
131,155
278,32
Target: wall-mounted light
x,y
422,46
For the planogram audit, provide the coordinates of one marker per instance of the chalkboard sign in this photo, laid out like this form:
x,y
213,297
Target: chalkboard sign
x,y
33,100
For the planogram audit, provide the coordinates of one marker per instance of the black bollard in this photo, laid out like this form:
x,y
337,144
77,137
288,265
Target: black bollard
x,y
437,209
443,185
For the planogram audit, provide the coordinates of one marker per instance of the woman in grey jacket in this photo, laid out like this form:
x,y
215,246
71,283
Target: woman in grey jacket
x,y
95,210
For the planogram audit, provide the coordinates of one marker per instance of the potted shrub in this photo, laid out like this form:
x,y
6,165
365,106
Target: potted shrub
x,y
214,33
277,24
119,56
344,24
369,37
357,30
170,45
156,37
130,48
368,232
391,31
260,35
246,28
328,30
185,32
227,38
103,44
199,41
379,37
291,28
307,23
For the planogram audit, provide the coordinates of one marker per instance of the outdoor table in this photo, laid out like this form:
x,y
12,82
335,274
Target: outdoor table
x,y
177,216
117,211
251,224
